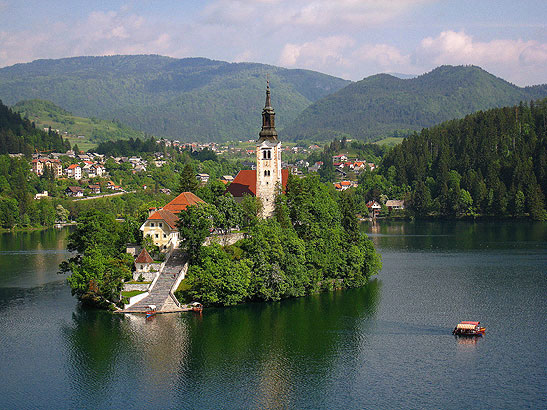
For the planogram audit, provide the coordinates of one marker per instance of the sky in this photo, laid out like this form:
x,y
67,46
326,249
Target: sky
x,y
352,39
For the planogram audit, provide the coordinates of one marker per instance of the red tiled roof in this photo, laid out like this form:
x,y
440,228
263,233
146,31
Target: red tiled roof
x,y
345,183
181,202
162,215
245,182
73,166
144,257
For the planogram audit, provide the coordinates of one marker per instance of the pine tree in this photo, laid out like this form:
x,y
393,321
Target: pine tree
x,y
188,181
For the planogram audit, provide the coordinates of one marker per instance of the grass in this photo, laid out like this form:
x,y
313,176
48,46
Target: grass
x,y
136,282
130,293
390,141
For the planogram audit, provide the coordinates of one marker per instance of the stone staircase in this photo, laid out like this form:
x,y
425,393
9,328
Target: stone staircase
x,y
159,295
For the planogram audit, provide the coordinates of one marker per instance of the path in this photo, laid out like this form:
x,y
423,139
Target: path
x,y
159,295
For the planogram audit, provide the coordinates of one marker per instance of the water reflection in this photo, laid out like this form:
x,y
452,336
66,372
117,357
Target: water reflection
x,y
456,235
30,259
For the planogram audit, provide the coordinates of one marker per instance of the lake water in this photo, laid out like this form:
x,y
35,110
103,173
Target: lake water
x,y
385,346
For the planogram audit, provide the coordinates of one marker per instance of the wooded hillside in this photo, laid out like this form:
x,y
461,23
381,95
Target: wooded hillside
x,y
491,163
383,105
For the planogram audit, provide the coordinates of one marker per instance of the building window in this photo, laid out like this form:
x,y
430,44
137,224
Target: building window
x,y
160,224
152,224
267,173
164,235
267,154
157,236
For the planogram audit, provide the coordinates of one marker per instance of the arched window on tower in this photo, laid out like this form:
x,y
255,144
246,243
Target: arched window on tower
x,y
267,154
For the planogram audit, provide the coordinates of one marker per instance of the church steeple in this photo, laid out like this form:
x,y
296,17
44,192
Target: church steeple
x,y
268,131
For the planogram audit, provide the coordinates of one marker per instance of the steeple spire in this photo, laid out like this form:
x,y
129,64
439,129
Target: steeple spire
x,y
268,131
268,100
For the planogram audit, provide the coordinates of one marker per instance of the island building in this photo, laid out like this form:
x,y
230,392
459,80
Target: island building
x,y
268,179
161,224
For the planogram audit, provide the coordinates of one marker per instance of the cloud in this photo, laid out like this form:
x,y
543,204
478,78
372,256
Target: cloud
x,y
384,55
323,52
515,60
451,47
306,14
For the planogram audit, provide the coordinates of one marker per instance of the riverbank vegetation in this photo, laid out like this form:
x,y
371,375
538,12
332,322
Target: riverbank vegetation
x,y
312,243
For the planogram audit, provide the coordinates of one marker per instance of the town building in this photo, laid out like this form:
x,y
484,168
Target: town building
x,y
74,191
40,164
269,178
74,171
161,224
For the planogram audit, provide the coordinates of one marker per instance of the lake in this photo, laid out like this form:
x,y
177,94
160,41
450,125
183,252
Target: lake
x,y
387,345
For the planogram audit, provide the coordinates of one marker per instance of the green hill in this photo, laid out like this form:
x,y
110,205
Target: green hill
x,y
46,114
19,135
187,99
383,105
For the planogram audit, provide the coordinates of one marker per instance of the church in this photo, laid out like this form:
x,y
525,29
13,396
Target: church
x,y
268,178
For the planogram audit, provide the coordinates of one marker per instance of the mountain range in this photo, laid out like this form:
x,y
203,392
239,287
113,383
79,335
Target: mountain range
x,y
197,99
383,105
187,99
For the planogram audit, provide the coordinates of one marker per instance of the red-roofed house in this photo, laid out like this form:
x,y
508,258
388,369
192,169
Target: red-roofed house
x,y
74,171
161,224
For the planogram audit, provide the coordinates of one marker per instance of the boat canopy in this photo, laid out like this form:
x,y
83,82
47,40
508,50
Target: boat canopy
x,y
467,326
467,322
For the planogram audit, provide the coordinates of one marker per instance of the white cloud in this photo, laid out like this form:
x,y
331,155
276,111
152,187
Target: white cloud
x,y
514,60
320,53
451,47
385,55
306,14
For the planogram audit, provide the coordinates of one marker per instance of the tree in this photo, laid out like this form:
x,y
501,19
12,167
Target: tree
x,y
188,181
100,267
195,224
61,214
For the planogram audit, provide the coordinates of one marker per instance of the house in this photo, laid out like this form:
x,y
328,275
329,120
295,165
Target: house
x,y
95,170
42,195
202,177
95,188
166,191
228,178
74,191
374,208
342,186
394,204
161,224
111,185
143,264
339,158
74,171
39,165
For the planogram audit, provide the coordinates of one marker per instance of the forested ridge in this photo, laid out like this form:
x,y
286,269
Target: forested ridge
x,y
190,99
18,135
383,105
489,163
46,114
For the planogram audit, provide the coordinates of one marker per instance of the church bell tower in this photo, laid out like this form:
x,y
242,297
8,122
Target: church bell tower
x,y
268,159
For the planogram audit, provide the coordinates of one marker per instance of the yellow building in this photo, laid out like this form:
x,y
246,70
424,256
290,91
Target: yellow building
x,y
161,224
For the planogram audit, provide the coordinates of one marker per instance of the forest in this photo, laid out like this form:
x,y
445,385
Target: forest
x,y
18,135
489,163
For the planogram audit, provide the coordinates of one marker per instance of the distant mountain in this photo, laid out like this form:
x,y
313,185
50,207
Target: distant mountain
x,y
46,114
383,105
19,135
187,99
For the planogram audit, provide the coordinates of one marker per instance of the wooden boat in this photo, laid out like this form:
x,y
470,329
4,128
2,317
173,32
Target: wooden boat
x,y
151,311
195,307
468,328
